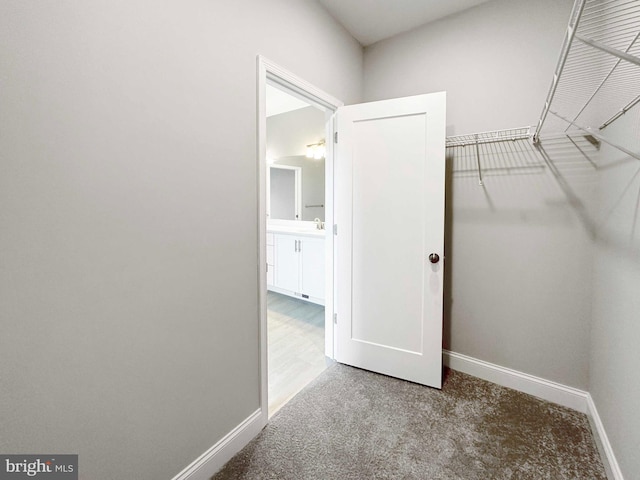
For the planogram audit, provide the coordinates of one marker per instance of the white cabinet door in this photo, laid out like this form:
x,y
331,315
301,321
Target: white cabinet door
x,y
390,172
287,262
299,267
312,266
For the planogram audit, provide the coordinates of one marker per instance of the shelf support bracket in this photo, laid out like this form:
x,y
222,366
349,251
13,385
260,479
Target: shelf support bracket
x,y
478,160
624,110
597,135
613,51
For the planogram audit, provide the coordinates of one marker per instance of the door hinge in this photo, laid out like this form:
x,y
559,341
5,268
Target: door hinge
x,y
335,229
335,318
267,268
335,137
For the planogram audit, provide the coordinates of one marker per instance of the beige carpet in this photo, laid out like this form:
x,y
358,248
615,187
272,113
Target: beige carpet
x,y
354,424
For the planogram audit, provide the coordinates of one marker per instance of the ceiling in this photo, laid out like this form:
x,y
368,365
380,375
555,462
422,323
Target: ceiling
x,y
280,102
370,21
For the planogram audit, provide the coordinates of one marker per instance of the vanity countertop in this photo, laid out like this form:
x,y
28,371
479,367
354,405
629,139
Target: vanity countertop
x,y
307,232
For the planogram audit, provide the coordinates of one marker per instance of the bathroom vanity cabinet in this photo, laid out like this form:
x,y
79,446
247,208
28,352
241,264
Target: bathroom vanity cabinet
x,y
298,264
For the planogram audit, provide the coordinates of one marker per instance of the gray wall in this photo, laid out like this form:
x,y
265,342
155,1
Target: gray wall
x,y
289,133
614,382
495,61
518,255
287,136
128,205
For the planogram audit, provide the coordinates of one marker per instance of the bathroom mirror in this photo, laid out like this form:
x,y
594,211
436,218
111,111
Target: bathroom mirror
x,y
306,199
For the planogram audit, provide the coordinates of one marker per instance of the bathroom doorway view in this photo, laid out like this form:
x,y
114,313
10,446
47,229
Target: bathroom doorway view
x,y
295,246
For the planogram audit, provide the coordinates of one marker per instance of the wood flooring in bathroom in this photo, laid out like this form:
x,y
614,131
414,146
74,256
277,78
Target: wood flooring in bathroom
x,y
296,346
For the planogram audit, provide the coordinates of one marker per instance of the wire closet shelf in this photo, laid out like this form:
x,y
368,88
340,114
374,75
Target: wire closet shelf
x,y
596,82
597,77
489,137
498,152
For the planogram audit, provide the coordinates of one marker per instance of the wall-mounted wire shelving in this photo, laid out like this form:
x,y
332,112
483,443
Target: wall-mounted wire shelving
x,y
596,82
489,137
597,77
498,152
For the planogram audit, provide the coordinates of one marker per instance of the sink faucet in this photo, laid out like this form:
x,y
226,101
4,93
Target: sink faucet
x,y
319,223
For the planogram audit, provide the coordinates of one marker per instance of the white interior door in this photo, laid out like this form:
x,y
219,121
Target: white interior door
x,y
390,173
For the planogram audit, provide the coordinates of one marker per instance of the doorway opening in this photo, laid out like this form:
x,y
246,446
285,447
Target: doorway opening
x,y
295,151
295,245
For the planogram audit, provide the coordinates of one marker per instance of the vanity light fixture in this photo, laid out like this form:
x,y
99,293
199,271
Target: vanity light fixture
x,y
316,150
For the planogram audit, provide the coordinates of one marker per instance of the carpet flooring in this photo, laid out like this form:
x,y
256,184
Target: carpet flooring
x,y
353,424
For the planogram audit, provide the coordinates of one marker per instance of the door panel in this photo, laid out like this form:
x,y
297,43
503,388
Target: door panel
x,y
383,218
390,199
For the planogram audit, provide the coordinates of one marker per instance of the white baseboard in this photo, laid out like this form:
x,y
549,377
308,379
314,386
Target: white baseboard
x,y
602,442
207,464
289,293
539,387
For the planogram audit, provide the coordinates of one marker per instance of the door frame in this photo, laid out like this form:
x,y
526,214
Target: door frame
x,y
268,71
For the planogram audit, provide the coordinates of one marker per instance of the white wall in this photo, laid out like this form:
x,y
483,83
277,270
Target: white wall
x,y
128,205
518,254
